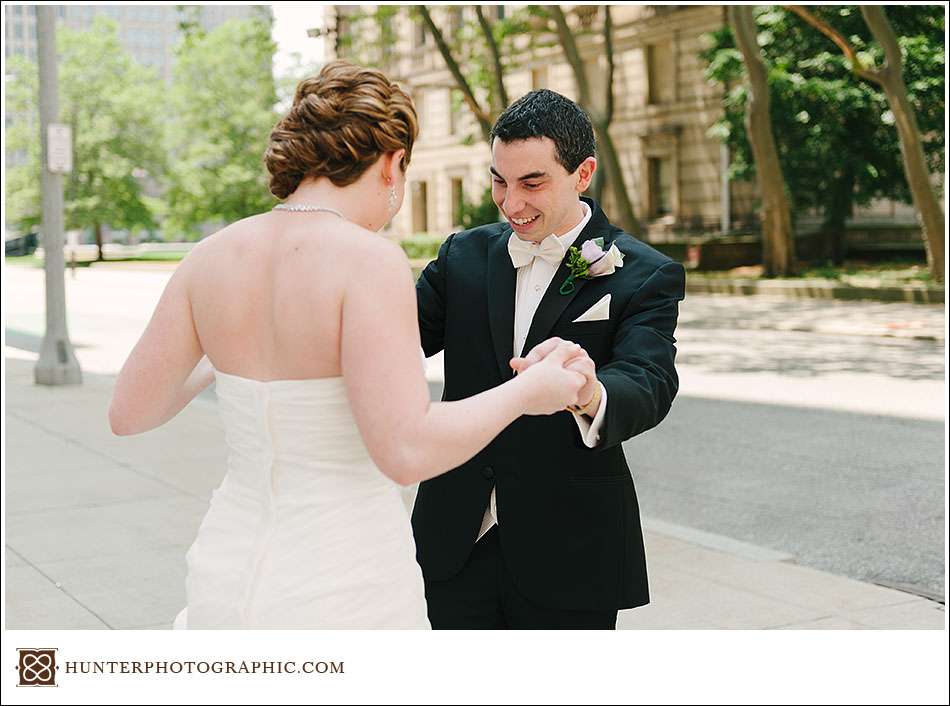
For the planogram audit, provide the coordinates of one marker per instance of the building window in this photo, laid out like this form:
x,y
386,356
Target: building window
x,y
458,202
420,207
419,100
660,80
456,18
343,38
455,110
539,78
420,35
660,185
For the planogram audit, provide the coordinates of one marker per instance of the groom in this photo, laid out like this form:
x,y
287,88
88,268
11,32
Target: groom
x,y
541,529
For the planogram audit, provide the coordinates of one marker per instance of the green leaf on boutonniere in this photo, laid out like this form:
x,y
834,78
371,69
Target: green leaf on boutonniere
x,y
578,268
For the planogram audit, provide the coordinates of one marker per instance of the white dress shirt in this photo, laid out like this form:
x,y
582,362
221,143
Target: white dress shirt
x,y
532,282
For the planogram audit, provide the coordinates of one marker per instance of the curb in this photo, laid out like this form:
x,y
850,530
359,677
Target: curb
x,y
815,289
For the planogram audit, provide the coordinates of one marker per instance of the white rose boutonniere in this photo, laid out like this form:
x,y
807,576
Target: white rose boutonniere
x,y
589,261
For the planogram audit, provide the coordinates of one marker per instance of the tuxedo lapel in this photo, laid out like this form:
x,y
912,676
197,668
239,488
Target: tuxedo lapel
x,y
553,303
501,301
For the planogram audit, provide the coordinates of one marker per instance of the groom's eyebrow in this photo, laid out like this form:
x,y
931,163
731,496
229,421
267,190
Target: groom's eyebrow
x,y
530,175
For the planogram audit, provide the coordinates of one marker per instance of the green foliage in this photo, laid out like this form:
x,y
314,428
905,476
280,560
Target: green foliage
x,y
479,213
222,111
576,264
422,247
835,134
21,103
113,106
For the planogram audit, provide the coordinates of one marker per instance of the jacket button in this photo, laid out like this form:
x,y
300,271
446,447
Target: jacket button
x,y
488,472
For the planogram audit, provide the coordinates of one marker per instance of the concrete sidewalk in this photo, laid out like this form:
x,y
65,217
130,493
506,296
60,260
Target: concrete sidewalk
x,y
97,528
822,289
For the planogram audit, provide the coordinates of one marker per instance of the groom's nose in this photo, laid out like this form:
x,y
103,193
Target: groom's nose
x,y
512,204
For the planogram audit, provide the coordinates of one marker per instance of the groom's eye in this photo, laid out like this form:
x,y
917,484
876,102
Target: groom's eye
x,y
532,186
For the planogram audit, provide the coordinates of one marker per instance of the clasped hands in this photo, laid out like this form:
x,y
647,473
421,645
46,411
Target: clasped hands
x,y
588,398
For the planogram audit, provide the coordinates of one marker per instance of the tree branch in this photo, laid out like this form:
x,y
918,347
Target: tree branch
x,y
744,30
839,39
609,54
876,21
572,55
501,94
450,62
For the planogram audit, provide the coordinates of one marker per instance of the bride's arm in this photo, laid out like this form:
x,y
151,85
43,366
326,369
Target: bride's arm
x,y
167,367
410,438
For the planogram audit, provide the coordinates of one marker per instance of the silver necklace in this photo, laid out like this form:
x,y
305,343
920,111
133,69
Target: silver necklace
x,y
306,207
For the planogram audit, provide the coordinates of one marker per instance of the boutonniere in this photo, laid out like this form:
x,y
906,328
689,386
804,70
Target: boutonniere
x,y
589,261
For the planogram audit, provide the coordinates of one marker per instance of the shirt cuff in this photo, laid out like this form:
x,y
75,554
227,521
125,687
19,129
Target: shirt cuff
x,y
590,430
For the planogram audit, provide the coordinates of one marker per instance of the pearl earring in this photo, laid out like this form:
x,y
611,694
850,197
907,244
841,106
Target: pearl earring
x,y
392,197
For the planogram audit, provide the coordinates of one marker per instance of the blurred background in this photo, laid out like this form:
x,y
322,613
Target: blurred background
x,y
793,160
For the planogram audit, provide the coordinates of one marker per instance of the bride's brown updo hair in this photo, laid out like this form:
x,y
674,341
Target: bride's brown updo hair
x,y
341,122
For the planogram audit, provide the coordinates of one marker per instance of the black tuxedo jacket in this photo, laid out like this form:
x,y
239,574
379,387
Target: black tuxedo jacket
x,y
568,520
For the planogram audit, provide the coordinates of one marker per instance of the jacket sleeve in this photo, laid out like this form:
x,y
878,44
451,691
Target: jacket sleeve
x,y
430,298
640,378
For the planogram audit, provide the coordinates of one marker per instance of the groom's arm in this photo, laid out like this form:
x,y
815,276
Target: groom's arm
x,y
640,379
430,298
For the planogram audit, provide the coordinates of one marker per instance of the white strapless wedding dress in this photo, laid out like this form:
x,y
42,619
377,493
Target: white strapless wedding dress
x,y
304,531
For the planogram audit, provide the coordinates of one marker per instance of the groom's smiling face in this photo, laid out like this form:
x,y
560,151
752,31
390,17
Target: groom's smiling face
x,y
534,191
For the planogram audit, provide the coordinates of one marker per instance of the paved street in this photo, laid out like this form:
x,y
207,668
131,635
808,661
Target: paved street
x,y
855,494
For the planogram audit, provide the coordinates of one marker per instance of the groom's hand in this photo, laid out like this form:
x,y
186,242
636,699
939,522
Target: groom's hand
x,y
580,363
536,354
585,366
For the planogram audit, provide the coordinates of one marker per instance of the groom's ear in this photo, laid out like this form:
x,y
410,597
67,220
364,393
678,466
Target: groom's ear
x,y
585,174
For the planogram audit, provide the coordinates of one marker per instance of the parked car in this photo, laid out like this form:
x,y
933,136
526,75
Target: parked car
x,y
23,245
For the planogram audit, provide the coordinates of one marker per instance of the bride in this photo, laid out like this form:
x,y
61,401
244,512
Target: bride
x,y
306,320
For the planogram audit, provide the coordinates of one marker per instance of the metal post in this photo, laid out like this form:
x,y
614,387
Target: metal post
x,y
725,207
57,364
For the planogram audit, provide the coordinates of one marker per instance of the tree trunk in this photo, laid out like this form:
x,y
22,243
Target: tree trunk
x,y
915,166
614,178
601,121
499,96
836,216
98,231
484,120
778,244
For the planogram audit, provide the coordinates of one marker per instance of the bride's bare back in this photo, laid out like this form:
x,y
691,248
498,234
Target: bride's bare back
x,y
267,292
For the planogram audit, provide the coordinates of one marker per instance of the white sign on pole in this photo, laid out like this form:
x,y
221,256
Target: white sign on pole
x,y
59,148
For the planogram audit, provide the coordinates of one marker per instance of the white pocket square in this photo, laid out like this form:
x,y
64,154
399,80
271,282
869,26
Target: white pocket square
x,y
599,312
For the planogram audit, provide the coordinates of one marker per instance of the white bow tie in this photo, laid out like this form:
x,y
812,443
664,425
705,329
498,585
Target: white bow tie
x,y
522,252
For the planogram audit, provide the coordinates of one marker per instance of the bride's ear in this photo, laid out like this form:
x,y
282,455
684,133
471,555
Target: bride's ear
x,y
392,164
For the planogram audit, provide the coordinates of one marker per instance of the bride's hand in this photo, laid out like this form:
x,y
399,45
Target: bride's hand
x,y
538,353
552,387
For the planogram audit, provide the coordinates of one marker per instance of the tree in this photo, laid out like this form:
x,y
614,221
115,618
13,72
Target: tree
x,y
492,81
21,103
111,104
890,77
835,135
601,112
222,111
777,238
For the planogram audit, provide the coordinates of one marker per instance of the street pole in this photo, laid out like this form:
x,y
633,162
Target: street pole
x,y
57,364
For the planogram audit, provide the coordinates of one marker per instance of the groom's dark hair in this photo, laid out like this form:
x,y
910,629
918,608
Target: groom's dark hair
x,y
544,113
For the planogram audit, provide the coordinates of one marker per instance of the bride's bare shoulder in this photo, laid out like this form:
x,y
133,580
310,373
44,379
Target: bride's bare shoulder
x,y
343,242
